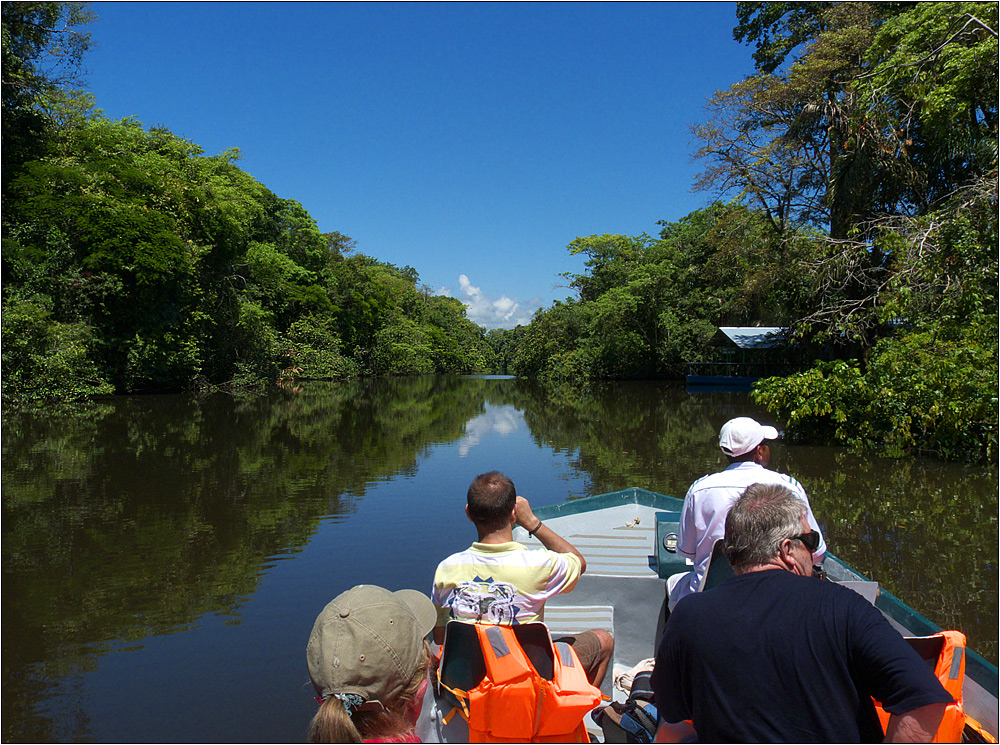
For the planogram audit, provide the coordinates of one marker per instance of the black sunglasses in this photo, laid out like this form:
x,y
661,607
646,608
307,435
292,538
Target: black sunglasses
x,y
810,540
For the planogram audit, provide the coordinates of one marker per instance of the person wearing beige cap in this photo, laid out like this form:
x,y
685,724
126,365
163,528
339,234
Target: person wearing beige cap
x,y
746,443
368,657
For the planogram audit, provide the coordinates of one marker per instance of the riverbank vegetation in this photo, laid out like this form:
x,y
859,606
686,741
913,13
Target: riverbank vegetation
x,y
855,187
861,162
135,262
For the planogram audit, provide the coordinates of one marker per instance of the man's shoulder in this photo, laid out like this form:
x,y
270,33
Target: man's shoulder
x,y
766,475
711,480
728,482
456,557
831,595
511,552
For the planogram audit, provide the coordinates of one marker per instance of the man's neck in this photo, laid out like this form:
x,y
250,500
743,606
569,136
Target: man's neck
x,y
503,535
759,568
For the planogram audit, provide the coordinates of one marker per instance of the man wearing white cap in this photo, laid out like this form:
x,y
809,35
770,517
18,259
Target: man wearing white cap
x,y
746,443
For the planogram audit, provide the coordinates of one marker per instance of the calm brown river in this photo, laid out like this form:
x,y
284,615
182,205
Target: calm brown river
x,y
164,557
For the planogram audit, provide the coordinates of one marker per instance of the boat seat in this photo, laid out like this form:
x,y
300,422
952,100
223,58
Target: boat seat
x,y
668,560
564,620
462,663
718,570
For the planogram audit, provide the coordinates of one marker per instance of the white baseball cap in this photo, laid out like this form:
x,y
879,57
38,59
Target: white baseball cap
x,y
741,435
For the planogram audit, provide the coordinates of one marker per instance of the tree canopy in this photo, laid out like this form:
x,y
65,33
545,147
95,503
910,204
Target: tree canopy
x,y
133,261
856,182
861,161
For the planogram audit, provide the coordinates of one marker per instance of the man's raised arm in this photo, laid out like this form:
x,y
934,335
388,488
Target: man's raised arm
x,y
546,536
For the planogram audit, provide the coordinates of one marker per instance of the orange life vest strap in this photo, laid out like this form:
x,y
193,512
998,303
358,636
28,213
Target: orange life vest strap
x,y
978,730
461,696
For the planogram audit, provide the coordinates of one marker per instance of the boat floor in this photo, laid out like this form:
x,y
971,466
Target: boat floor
x,y
620,581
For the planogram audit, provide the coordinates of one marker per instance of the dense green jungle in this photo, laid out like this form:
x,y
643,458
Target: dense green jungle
x,y
851,197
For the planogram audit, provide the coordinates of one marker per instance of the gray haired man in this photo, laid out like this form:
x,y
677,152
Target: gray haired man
x,y
775,655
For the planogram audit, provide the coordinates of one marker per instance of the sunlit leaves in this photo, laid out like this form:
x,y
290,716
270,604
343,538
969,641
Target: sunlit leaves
x,y
46,361
924,393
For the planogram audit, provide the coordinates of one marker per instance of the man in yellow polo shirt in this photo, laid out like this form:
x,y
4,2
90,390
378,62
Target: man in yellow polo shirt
x,y
497,580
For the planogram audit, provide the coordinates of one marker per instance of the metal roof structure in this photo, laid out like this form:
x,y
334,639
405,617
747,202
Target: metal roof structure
x,y
750,337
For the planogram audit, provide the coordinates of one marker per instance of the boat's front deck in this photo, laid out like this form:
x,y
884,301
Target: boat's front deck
x,y
620,591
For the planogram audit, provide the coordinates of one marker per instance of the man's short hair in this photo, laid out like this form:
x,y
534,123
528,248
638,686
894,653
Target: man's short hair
x,y
757,523
491,499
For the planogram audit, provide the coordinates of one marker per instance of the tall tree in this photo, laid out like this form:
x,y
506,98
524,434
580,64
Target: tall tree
x,y
777,138
43,48
777,29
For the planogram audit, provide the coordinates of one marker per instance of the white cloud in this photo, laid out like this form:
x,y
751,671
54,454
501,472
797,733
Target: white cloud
x,y
500,313
499,420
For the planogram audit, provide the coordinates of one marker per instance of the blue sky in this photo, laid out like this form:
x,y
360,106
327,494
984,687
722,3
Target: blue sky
x,y
472,142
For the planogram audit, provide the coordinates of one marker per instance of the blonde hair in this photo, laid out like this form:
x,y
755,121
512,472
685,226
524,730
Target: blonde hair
x,y
332,723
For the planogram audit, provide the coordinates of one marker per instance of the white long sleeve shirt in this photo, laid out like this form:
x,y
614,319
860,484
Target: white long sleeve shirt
x,y
703,516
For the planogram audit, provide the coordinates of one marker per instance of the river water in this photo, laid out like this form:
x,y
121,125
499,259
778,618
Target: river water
x,y
164,557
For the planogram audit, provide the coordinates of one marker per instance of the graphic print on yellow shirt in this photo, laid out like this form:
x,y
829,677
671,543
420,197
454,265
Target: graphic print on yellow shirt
x,y
505,583
484,601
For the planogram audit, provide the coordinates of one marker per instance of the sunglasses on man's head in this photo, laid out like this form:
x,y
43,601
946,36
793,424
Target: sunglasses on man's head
x,y
810,540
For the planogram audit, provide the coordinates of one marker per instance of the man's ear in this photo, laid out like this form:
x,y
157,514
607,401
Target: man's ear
x,y
785,555
468,515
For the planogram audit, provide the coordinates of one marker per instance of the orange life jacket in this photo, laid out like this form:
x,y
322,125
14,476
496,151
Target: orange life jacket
x,y
515,703
946,652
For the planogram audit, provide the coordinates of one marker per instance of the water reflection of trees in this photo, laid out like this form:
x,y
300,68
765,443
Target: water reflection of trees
x,y
926,531
647,434
144,514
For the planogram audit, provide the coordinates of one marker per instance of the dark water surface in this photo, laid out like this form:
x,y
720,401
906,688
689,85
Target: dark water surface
x,y
164,557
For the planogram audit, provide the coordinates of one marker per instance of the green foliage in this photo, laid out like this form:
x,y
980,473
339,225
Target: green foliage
x,y
187,272
923,393
312,350
504,343
43,46
648,307
932,95
180,268
777,28
458,345
402,348
897,104
548,349
46,362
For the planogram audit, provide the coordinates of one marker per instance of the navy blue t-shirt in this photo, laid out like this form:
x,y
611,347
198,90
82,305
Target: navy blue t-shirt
x,y
772,656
